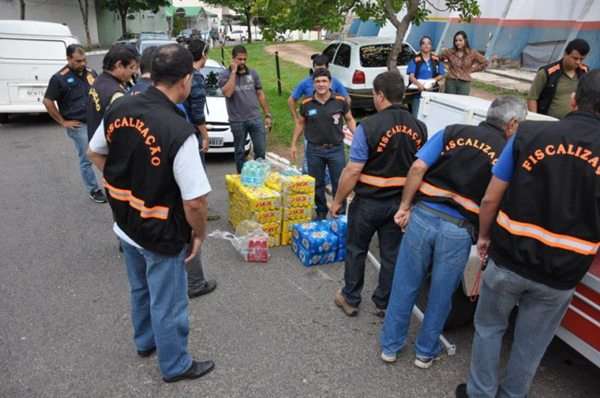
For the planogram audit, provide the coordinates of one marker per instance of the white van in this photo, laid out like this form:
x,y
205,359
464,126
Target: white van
x,y
30,53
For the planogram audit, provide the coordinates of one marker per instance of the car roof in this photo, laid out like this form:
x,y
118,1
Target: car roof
x,y
34,28
366,40
211,63
156,42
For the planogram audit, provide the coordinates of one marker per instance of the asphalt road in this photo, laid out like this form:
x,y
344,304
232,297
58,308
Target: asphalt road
x,y
272,329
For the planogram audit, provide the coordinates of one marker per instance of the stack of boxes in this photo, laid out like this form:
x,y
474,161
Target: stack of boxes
x,y
283,201
298,200
320,242
261,204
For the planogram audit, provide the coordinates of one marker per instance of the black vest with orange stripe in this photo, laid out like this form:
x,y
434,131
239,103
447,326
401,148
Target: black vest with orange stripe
x,y
394,136
144,133
101,94
548,226
553,74
462,173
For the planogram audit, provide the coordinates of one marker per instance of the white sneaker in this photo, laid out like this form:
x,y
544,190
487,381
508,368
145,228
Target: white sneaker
x,y
388,358
425,363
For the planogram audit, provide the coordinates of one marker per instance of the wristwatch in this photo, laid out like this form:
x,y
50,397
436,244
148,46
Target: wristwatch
x,y
268,114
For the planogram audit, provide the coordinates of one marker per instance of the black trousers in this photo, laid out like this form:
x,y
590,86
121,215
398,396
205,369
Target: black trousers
x,y
367,216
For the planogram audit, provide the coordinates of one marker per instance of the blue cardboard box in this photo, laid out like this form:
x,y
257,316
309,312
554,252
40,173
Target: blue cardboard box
x,y
340,254
339,226
319,241
309,259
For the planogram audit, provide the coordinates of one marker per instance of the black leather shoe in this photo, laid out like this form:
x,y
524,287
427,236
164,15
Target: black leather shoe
x,y
146,353
198,369
208,287
461,391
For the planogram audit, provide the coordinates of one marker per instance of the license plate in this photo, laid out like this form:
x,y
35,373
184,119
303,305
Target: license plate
x,y
32,92
215,141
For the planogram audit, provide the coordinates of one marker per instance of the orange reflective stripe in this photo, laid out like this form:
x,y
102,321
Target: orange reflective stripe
x,y
382,182
432,190
548,238
124,195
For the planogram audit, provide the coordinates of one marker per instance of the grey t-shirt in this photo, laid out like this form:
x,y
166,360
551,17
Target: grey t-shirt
x,y
243,104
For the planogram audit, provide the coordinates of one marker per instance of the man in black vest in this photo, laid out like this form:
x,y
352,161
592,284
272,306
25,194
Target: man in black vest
x,y
321,119
544,200
383,148
198,285
451,174
551,90
69,87
119,65
157,190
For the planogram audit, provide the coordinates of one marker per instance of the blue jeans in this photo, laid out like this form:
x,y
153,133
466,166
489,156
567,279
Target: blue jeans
x,y
319,158
158,289
79,136
428,239
541,309
415,102
305,166
240,131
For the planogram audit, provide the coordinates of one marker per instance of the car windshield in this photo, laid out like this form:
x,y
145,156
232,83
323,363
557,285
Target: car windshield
x,y
153,43
153,35
376,55
211,80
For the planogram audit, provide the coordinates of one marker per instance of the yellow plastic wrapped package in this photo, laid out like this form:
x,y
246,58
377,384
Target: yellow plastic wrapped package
x,y
299,200
274,231
291,184
297,213
232,182
260,199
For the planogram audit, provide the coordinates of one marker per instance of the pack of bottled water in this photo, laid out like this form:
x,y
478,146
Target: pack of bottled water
x,y
255,172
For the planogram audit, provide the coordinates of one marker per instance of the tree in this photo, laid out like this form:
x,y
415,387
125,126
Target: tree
x,y
124,7
281,15
22,7
84,7
246,8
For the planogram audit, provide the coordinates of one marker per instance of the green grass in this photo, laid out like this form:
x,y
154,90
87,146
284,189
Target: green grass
x,y
291,74
317,45
498,90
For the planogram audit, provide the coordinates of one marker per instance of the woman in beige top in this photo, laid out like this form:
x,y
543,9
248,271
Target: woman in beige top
x,y
461,61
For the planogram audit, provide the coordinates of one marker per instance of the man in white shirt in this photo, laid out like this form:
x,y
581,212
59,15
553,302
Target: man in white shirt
x,y
157,190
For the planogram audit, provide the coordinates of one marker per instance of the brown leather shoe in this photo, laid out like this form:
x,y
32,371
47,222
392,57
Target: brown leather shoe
x,y
341,302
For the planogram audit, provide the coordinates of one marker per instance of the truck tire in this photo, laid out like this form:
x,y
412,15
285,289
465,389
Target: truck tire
x,y
463,309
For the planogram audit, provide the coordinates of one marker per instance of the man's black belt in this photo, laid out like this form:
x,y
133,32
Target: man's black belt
x,y
325,145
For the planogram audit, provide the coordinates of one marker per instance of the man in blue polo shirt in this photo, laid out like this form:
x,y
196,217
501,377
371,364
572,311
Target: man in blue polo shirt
x,y
451,174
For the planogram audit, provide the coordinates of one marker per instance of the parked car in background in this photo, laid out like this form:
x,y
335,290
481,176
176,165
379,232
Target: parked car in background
x,y
30,53
153,36
236,35
143,44
357,61
128,38
220,137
